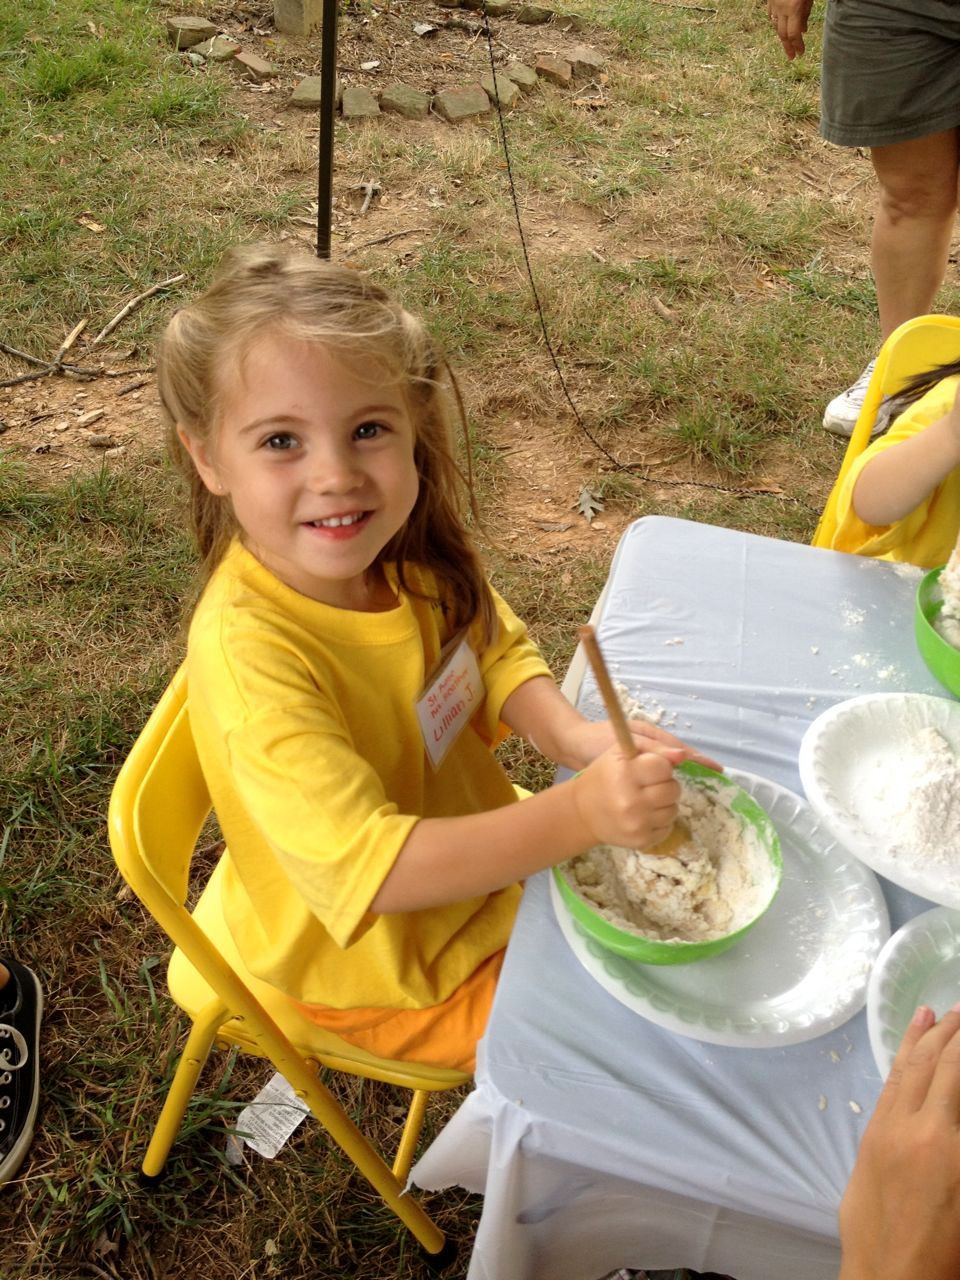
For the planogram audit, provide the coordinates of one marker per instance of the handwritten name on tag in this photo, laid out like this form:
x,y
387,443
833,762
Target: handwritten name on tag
x,y
450,699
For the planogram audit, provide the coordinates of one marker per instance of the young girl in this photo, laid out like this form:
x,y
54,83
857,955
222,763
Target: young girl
x,y
901,498
350,669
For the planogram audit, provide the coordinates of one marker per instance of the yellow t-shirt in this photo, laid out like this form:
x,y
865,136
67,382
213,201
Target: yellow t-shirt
x,y
927,535
305,723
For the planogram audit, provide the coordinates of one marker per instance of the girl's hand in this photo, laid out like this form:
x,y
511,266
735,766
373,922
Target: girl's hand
x,y
789,20
629,802
592,737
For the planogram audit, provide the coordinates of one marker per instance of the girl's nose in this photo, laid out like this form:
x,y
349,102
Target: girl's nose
x,y
334,470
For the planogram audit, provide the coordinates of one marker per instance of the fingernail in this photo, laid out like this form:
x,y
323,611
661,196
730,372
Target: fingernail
x,y
923,1014
955,1008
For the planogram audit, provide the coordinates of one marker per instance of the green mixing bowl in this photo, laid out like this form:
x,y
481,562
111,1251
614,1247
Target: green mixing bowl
x,y
651,950
942,659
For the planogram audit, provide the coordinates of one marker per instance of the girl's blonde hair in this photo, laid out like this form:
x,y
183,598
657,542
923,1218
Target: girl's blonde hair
x,y
270,289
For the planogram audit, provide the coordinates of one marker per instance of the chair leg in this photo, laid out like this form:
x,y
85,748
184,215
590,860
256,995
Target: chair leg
x,y
351,1141
195,1053
411,1135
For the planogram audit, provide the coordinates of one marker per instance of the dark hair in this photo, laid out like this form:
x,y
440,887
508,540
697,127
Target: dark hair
x,y
273,289
916,387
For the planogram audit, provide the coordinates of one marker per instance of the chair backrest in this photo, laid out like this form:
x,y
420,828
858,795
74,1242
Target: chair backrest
x,y
917,345
159,804
157,810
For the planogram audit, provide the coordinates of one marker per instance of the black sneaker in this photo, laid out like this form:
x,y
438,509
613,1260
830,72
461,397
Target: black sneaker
x,y
21,1004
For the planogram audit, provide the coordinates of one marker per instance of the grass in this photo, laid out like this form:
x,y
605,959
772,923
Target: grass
x,y
701,259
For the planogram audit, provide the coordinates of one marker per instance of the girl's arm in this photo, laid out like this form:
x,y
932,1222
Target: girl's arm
x,y
898,479
615,800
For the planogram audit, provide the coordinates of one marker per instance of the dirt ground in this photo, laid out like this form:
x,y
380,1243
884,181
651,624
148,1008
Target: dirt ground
x,y
65,425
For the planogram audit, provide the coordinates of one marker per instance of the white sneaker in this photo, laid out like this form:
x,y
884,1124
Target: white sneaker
x,y
843,410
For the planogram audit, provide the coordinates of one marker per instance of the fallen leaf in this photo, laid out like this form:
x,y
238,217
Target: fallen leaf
x,y
424,28
87,220
554,526
588,503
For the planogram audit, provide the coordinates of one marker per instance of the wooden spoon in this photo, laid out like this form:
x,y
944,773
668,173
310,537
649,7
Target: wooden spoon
x,y
680,835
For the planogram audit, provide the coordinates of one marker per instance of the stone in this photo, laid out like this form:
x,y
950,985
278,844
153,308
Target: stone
x,y
459,104
404,100
570,22
500,85
449,4
556,70
499,8
358,103
584,61
297,17
219,49
521,75
532,15
255,67
185,32
306,95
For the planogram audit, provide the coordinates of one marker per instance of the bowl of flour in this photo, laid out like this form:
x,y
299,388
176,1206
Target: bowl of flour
x,y
692,904
937,626
883,772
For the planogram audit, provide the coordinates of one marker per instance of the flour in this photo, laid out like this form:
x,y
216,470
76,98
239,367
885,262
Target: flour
x,y
915,807
715,884
947,621
651,711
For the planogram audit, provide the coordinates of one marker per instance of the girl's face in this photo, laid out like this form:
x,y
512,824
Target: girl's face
x,y
318,465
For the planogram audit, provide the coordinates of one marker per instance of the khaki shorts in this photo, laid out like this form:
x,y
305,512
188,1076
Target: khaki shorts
x,y
891,70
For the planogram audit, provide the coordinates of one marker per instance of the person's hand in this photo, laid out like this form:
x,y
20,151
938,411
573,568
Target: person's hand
x,y
900,1216
789,21
591,738
629,801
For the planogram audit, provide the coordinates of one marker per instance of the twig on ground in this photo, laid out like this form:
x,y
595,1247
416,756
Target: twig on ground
x,y
12,351
369,189
133,386
394,235
68,342
135,302
697,8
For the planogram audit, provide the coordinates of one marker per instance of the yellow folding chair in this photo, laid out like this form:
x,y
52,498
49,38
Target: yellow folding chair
x,y
917,345
159,804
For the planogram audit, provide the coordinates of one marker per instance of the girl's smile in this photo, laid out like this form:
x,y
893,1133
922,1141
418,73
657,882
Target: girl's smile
x,y
318,464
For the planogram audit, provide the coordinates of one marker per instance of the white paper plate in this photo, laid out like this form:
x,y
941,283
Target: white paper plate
x,y
801,971
840,755
919,965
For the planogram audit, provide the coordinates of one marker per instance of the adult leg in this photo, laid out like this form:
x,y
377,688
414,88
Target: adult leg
x,y
914,223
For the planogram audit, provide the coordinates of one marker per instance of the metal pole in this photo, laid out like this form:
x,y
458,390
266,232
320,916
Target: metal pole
x,y
328,115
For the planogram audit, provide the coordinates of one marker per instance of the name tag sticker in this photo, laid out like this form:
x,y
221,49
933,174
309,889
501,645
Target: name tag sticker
x,y
453,695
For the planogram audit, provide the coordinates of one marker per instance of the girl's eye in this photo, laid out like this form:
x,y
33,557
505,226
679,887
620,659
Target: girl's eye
x,y
369,430
280,440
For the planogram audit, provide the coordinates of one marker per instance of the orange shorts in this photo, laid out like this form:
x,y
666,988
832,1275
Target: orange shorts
x,y
443,1035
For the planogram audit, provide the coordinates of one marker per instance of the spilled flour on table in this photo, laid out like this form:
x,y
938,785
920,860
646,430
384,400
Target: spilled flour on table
x,y
713,885
915,807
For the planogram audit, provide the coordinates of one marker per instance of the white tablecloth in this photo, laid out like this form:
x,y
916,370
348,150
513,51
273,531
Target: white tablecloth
x,y
597,1138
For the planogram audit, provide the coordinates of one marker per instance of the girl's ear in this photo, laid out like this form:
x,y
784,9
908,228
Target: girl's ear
x,y
200,455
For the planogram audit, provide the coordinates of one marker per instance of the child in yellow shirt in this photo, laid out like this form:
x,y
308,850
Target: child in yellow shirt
x,y
901,498
350,669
